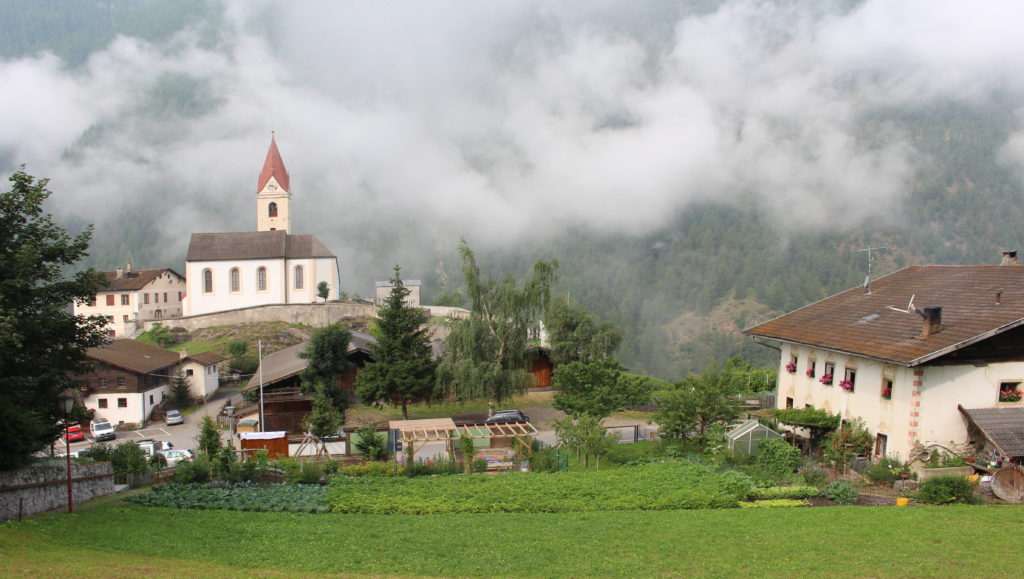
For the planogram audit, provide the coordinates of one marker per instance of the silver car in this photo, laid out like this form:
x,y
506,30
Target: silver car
x,y
174,417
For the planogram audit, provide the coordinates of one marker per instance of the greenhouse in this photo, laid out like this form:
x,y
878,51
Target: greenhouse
x,y
745,438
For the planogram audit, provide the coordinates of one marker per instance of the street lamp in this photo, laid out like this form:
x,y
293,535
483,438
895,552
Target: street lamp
x,y
67,404
230,410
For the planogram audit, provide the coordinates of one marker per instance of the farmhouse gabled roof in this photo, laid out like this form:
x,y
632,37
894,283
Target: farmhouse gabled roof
x,y
206,358
273,166
133,280
254,245
1004,427
977,302
134,356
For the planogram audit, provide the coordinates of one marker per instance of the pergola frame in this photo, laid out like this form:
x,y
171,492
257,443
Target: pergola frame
x,y
416,433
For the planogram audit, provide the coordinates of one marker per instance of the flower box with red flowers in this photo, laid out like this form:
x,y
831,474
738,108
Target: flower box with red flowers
x,y
887,393
810,372
1011,395
826,379
846,385
791,367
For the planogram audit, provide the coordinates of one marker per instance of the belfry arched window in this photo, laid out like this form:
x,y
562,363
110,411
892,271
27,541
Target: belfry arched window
x,y
272,209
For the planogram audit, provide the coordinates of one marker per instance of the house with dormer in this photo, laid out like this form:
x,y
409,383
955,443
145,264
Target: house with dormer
x,y
133,297
913,353
227,271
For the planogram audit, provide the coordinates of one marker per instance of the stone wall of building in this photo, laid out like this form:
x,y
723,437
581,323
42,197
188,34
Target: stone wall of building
x,y
28,491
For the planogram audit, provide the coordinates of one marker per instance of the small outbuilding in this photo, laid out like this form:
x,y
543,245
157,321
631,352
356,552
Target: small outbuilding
x,y
274,442
747,437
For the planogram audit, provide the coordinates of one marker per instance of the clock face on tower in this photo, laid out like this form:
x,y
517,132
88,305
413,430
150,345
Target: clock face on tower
x,y
271,185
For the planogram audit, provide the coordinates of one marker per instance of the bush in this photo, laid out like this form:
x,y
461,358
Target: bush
x,y
331,467
367,469
372,444
885,472
736,483
776,457
193,471
814,475
841,492
310,473
790,492
944,490
545,460
478,465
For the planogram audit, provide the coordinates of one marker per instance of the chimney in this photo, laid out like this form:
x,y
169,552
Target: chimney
x,y
1009,258
931,322
182,354
128,266
118,273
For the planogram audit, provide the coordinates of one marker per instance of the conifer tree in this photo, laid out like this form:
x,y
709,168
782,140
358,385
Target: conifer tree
x,y
402,368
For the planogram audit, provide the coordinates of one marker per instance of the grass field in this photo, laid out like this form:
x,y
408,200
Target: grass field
x,y
115,540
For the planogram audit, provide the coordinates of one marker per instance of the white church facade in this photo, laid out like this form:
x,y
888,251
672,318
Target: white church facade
x,y
227,271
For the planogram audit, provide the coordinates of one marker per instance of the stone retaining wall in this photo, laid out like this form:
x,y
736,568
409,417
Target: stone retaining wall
x,y
316,315
28,491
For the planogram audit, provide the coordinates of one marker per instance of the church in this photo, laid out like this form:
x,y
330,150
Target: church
x,y
228,271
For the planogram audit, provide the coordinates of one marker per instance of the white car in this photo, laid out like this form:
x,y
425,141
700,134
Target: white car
x,y
174,417
176,455
102,430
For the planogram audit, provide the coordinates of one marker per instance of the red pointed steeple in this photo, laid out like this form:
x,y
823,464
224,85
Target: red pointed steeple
x,y
273,167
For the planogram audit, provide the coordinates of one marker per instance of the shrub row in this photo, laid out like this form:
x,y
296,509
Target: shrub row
x,y
297,498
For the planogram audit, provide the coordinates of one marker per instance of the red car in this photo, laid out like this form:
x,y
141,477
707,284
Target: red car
x,y
75,433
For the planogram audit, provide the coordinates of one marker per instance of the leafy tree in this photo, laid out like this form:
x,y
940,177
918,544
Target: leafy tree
x,y
852,438
694,405
575,336
402,369
597,388
744,377
327,355
238,348
208,441
180,394
41,342
323,291
159,334
586,436
485,355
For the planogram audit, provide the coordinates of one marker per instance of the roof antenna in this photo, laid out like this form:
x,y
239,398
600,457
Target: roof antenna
x,y
867,280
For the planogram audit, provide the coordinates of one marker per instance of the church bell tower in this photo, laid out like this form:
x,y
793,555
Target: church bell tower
x,y
273,194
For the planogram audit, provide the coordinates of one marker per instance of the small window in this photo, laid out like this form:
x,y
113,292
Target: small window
x,y
828,374
811,367
124,318
122,403
299,281
122,382
1010,392
111,334
791,365
145,299
207,281
789,403
188,372
110,299
849,379
235,281
880,443
165,297
92,302
110,319
179,296
886,388
126,300
272,209
102,382
261,279
103,402
151,399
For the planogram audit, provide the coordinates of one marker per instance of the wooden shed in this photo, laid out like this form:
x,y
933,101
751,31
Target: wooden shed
x,y
275,442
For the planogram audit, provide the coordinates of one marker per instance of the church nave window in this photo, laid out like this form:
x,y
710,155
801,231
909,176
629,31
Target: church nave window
x,y
236,280
207,281
299,282
261,279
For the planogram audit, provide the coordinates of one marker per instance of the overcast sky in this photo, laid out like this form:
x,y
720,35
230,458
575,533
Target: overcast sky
x,y
506,119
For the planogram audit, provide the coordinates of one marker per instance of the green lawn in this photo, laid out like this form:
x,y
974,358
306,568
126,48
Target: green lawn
x,y
127,540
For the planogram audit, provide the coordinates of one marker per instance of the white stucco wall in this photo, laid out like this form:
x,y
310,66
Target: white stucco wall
x,y
204,380
280,283
943,388
138,407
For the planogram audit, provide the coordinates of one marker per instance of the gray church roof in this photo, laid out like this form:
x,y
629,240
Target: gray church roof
x,y
254,245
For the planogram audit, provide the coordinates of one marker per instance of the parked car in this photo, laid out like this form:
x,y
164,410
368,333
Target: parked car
x,y
102,430
74,433
176,455
508,416
153,446
174,417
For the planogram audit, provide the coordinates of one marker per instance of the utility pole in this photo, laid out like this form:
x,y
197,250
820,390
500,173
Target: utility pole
x,y
263,425
867,280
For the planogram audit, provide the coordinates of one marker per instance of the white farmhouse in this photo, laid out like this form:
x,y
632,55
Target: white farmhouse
x,y
133,297
227,271
913,354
